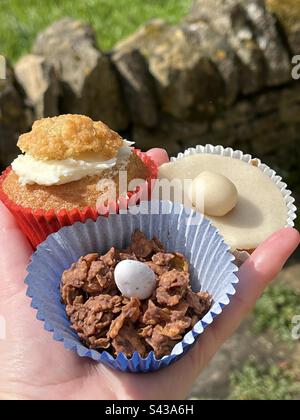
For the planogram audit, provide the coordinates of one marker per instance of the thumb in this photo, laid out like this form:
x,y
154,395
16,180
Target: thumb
x,y
255,275
15,253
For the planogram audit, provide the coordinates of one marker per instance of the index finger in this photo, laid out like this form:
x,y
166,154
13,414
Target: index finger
x,y
15,253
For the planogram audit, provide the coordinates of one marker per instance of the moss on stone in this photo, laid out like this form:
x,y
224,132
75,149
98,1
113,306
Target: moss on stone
x,y
287,11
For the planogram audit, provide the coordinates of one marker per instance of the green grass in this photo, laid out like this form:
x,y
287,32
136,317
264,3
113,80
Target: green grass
x,y
269,382
275,310
113,20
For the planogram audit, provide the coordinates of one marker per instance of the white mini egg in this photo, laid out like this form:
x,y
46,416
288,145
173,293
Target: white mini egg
x,y
135,279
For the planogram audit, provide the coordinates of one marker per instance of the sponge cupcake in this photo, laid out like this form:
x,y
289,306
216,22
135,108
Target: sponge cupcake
x,y
57,179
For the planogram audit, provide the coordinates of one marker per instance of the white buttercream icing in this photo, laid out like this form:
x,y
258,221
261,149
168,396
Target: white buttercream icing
x,y
58,172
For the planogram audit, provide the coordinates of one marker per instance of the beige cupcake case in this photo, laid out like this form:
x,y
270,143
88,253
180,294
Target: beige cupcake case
x,y
241,256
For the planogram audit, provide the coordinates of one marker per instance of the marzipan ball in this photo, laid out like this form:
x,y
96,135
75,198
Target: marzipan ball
x,y
219,194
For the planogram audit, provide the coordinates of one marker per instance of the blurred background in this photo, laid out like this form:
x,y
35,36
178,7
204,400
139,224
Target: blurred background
x,y
174,74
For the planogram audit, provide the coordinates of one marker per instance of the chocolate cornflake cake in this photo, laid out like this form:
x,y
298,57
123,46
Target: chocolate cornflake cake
x,y
106,319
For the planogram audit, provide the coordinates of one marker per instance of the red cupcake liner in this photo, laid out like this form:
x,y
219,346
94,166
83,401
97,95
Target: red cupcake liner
x,y
37,225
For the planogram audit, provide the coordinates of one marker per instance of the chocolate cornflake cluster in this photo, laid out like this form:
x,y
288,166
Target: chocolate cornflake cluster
x,y
104,319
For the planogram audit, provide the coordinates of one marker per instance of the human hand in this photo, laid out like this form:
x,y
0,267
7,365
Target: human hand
x,y
33,366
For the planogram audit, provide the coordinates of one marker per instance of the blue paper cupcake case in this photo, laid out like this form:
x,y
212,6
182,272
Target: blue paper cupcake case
x,y
179,229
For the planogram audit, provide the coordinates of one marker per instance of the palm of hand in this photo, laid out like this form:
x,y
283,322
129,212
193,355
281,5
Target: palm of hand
x,y
34,366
